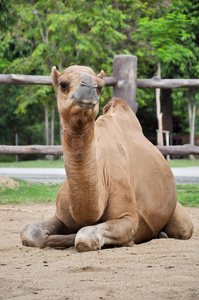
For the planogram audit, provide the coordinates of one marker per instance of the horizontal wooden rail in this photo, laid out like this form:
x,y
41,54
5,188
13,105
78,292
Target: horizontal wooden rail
x,y
25,79
39,79
155,82
187,149
33,149
57,150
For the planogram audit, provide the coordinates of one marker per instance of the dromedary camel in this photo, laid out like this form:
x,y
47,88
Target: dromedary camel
x,y
119,188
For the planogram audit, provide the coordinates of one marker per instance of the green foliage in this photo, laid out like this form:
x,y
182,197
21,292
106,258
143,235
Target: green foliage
x,y
190,37
188,194
39,34
63,34
8,15
58,163
172,39
26,192
9,122
30,126
59,33
7,159
187,68
39,95
147,111
179,163
159,38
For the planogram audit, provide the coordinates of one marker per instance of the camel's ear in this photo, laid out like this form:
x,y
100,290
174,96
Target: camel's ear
x,y
55,75
101,74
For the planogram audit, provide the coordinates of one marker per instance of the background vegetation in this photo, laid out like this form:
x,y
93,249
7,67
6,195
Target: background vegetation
x,y
26,192
35,35
59,163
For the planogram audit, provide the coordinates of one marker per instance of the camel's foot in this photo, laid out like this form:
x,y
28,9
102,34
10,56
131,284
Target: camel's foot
x,y
34,235
88,239
161,235
117,232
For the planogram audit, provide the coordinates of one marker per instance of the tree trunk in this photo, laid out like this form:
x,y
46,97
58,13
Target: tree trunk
x,y
60,134
46,124
158,111
52,125
167,109
192,114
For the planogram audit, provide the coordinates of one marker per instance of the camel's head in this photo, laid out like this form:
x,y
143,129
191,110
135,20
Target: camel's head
x,y
78,92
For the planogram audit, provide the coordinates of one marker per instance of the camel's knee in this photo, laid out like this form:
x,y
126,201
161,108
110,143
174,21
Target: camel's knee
x,y
180,226
34,235
183,233
187,234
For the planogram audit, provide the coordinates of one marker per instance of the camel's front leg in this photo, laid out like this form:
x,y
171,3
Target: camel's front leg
x,y
52,233
119,232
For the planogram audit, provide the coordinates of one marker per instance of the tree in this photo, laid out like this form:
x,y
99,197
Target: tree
x,y
61,33
8,16
190,67
158,39
64,33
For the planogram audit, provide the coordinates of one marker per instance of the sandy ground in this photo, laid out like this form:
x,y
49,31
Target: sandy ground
x,y
159,269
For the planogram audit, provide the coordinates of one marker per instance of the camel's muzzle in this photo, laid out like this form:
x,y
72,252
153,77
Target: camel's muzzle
x,y
86,95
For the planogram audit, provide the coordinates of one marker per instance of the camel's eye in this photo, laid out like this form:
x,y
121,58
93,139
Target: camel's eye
x,y
64,86
99,90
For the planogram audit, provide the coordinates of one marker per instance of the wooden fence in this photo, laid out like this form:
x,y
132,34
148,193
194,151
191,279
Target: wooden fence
x,y
124,82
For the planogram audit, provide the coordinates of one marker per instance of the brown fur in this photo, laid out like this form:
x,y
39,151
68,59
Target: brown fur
x,y
119,188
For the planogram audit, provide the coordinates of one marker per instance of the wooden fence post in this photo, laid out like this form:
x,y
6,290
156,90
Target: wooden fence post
x,y
125,72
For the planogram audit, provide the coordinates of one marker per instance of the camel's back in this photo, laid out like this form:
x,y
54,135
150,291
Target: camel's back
x,y
130,158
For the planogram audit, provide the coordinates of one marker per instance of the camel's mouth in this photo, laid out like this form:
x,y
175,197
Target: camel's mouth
x,y
87,104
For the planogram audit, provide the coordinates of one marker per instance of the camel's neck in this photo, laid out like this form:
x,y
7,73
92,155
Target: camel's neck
x,y
81,170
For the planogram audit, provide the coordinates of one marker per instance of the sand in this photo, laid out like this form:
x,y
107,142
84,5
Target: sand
x,y
159,269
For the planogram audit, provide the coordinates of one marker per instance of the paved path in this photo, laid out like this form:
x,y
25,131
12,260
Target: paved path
x,y
186,175
57,175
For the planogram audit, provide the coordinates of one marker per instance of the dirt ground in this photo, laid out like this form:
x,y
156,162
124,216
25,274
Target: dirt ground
x,y
159,269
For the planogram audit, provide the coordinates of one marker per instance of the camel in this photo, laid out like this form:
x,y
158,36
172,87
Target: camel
x,y
119,189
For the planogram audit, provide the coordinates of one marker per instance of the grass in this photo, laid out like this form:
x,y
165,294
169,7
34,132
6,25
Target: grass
x,y
26,192
179,163
188,194
59,163
34,164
